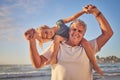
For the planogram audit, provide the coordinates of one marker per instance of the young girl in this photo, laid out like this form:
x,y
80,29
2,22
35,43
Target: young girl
x,y
60,33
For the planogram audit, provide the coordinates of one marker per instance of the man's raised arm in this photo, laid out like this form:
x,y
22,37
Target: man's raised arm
x,y
37,60
104,25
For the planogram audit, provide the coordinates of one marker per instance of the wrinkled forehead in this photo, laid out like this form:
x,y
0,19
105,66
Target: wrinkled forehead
x,y
77,25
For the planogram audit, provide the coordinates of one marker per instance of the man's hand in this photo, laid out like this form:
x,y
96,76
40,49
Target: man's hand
x,y
91,9
29,34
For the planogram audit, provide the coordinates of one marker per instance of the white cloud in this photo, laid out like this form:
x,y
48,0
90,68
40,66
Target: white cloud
x,y
9,30
28,6
4,11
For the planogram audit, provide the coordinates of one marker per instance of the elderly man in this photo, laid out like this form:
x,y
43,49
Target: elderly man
x,y
73,63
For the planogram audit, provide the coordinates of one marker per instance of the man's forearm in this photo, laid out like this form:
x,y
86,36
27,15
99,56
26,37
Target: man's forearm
x,y
35,58
105,28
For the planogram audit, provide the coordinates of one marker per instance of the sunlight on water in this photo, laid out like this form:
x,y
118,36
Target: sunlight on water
x,y
27,72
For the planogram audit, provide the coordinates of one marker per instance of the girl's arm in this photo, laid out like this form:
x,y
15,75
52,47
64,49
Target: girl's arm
x,y
73,17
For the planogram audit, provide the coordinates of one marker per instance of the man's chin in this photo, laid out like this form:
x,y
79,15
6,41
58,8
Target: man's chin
x,y
76,40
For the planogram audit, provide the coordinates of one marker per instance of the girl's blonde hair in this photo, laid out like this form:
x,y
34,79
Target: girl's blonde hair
x,y
39,29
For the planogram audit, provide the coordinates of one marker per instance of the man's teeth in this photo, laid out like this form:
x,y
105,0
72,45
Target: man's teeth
x,y
75,36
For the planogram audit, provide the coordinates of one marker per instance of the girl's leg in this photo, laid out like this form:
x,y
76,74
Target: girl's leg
x,y
57,40
90,54
55,53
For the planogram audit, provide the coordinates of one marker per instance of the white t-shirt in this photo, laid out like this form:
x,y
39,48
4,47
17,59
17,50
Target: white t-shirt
x,y
73,63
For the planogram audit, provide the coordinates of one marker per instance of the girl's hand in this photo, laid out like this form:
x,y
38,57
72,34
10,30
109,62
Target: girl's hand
x,y
91,9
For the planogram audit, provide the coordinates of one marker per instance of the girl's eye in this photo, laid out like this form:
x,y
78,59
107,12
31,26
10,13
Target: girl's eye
x,y
45,32
74,29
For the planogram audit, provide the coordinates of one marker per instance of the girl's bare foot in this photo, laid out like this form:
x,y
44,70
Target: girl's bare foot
x,y
98,70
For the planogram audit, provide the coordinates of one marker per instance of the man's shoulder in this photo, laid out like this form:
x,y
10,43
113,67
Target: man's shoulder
x,y
93,41
94,45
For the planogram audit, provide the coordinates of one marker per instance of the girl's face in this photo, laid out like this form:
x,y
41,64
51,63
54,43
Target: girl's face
x,y
47,33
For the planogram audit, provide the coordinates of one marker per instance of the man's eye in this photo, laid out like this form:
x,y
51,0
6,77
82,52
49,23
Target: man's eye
x,y
79,31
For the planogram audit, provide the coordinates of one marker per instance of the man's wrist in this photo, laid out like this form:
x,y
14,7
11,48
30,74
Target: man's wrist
x,y
32,41
98,14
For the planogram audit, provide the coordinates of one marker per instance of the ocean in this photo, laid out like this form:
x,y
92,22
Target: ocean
x,y
28,72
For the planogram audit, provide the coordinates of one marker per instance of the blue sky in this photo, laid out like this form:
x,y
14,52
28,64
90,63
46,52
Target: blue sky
x,y
16,16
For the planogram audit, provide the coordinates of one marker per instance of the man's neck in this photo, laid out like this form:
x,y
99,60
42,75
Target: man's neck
x,y
70,43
